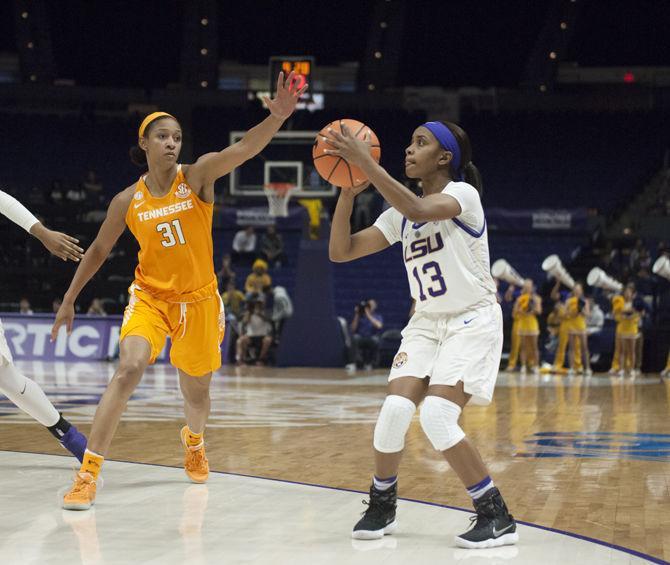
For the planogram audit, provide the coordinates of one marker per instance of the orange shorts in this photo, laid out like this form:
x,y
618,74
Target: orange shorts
x,y
196,329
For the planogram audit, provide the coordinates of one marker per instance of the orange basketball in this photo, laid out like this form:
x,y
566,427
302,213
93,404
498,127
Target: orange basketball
x,y
337,170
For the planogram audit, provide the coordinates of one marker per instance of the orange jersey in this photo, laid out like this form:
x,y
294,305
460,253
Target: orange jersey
x,y
175,235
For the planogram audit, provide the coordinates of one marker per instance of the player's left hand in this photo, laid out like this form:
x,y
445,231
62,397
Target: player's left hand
x,y
288,94
353,150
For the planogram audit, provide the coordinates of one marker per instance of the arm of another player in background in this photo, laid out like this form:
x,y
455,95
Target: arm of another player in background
x,y
343,246
212,166
430,208
60,244
110,231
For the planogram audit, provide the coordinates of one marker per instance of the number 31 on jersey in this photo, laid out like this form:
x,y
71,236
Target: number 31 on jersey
x,y
168,230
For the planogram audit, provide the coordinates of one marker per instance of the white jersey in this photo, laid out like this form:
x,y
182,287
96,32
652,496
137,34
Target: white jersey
x,y
447,262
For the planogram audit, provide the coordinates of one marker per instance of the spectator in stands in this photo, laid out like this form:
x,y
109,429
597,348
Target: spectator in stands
x,y
365,327
362,216
92,184
57,193
233,300
24,307
258,279
96,308
55,305
282,307
244,245
256,331
226,272
76,194
272,247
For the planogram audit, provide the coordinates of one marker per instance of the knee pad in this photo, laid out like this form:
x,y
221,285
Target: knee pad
x,y
393,422
439,420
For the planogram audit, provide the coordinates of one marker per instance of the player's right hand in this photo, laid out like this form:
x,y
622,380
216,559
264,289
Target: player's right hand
x,y
60,244
65,315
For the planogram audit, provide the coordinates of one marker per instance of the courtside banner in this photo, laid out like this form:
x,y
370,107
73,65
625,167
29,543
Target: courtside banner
x,y
574,219
93,338
260,217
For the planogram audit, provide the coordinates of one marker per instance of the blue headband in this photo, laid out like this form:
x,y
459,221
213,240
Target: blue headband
x,y
447,140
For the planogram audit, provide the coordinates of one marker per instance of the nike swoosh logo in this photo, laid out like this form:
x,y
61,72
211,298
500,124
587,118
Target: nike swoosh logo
x,y
498,533
138,204
466,322
24,387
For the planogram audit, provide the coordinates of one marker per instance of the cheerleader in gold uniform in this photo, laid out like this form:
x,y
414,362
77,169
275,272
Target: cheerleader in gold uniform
x,y
617,306
576,311
515,339
564,334
527,308
628,320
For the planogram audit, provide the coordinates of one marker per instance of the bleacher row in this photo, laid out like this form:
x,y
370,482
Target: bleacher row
x,y
527,160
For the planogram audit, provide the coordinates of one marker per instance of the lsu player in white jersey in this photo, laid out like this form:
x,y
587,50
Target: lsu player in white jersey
x,y
451,347
22,391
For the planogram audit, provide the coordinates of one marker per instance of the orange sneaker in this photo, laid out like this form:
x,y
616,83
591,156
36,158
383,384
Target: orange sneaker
x,y
82,493
195,461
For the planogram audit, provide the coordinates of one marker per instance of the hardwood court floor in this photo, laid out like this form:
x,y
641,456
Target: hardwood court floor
x,y
588,456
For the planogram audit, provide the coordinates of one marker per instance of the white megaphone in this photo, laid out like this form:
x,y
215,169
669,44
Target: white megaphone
x,y
554,268
662,267
501,269
599,278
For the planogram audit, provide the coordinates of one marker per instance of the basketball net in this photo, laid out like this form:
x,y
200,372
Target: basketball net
x,y
278,195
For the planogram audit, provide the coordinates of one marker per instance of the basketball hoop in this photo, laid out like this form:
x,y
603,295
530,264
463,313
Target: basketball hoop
x,y
278,195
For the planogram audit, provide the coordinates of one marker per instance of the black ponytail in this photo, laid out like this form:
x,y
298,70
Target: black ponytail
x,y
138,156
472,176
467,170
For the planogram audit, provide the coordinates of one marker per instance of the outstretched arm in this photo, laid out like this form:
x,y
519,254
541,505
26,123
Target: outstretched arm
x,y
60,244
212,166
110,231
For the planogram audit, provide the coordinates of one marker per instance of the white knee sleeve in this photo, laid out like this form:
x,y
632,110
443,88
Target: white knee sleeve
x,y
393,422
439,420
27,395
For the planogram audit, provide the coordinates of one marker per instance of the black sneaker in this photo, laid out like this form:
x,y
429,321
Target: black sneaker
x,y
379,518
493,525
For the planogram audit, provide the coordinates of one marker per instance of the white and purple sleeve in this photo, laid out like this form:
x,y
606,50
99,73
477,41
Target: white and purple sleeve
x,y
16,212
388,224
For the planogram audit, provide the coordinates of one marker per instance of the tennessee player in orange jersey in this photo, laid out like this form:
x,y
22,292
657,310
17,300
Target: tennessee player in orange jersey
x,y
169,211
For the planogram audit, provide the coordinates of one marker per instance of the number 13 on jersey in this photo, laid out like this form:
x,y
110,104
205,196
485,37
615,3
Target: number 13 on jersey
x,y
168,230
438,288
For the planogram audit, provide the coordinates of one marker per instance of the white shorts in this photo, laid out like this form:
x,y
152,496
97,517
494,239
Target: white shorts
x,y
447,349
5,353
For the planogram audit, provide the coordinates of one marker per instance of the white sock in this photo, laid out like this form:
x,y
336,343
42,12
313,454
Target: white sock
x,y
27,395
384,484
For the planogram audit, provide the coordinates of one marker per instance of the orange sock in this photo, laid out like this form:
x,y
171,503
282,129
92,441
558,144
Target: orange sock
x,y
92,463
193,439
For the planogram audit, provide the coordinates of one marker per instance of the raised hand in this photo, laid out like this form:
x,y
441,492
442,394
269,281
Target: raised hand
x,y
283,104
